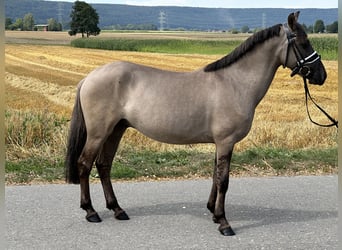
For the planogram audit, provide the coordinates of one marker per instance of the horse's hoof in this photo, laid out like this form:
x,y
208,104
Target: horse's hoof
x,y
228,231
93,217
121,216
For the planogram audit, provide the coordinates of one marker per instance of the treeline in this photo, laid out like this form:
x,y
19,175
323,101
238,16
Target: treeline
x,y
320,27
27,23
132,27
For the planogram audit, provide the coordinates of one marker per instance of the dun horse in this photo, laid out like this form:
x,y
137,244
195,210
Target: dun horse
x,y
214,104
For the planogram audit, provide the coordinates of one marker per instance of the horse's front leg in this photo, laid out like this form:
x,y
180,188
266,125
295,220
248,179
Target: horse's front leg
x,y
220,187
213,192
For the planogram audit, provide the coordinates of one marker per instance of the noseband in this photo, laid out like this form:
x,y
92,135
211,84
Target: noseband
x,y
302,68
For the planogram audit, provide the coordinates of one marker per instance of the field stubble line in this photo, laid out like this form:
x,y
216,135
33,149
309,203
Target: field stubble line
x,y
21,61
61,95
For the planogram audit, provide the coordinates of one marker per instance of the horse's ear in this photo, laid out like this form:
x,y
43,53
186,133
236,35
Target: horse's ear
x,y
292,20
296,14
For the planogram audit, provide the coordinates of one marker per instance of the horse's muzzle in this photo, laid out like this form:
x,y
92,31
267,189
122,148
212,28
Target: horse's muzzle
x,y
318,77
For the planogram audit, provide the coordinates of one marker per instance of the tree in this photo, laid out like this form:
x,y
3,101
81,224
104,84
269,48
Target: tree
x,y
234,31
28,22
319,26
53,25
306,28
8,23
332,28
84,20
18,25
245,29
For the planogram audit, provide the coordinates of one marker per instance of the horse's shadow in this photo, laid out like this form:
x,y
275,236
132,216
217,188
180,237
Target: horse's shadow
x,y
251,216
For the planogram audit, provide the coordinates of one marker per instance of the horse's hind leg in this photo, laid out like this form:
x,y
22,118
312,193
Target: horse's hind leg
x,y
104,164
85,164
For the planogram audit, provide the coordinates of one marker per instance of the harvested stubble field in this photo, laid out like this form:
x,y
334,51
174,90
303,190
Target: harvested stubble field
x,y
42,79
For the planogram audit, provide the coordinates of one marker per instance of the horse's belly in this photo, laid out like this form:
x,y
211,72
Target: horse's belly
x,y
177,138
174,131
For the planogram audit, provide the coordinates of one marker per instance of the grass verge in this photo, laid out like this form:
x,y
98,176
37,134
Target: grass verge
x,y
153,165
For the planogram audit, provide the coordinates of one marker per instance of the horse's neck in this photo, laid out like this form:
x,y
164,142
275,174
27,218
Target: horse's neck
x,y
256,71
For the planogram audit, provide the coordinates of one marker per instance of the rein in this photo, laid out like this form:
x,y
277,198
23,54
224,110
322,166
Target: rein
x,y
303,70
308,96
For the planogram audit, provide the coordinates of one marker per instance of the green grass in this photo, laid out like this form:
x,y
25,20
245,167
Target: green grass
x,y
132,164
172,46
155,164
326,46
34,169
284,160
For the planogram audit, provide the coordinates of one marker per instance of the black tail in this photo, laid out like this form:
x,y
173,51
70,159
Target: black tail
x,y
76,142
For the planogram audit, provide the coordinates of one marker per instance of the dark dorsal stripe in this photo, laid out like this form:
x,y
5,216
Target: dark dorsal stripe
x,y
244,48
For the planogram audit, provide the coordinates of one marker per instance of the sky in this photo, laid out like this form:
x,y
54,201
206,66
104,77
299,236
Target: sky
x,y
292,4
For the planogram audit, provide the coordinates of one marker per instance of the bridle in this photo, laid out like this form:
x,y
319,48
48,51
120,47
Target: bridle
x,y
302,68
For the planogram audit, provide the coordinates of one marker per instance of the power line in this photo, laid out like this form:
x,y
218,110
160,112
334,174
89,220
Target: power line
x,y
60,12
162,20
264,20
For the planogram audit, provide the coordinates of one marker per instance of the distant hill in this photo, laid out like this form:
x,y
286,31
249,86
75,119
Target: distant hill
x,y
189,18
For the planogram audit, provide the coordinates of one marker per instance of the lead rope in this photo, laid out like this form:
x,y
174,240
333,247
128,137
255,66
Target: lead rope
x,y
307,94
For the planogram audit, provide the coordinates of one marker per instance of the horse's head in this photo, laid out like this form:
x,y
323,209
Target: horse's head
x,y
301,58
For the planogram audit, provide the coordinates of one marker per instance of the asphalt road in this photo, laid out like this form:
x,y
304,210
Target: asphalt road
x,y
266,213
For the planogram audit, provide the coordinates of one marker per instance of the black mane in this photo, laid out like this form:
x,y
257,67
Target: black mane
x,y
245,47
